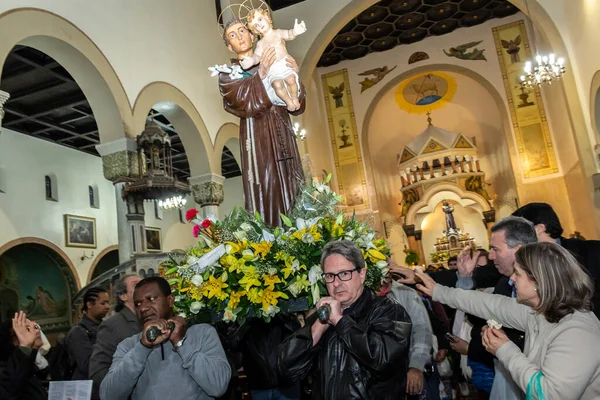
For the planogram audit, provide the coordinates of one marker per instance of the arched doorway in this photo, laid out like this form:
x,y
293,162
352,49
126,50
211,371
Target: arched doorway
x,y
105,261
39,280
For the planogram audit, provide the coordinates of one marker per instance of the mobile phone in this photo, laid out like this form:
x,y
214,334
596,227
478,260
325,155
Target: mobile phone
x,y
450,337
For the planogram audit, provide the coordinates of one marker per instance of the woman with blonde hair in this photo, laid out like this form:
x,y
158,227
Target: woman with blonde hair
x,y
561,358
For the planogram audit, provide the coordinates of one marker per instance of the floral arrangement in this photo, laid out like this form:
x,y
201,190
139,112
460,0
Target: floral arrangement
x,y
440,257
242,268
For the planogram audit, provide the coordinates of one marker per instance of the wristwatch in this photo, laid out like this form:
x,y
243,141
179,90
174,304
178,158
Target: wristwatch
x,y
177,345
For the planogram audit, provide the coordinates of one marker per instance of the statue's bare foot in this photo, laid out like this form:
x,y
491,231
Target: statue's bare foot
x,y
296,104
291,106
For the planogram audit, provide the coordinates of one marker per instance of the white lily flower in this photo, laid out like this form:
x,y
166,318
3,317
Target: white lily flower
x,y
246,227
316,293
381,264
229,315
314,275
197,280
271,311
195,307
182,314
308,238
294,289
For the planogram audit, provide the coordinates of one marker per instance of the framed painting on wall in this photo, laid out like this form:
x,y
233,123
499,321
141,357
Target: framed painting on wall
x,y
153,240
80,231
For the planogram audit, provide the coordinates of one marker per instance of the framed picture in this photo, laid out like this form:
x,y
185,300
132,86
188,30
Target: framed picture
x,y
153,240
80,231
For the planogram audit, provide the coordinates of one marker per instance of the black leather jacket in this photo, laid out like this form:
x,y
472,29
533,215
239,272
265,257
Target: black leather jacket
x,y
365,356
258,342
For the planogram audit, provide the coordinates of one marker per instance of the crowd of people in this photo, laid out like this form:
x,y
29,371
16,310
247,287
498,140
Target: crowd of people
x,y
521,317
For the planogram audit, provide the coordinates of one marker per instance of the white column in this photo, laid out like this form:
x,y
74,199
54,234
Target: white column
x,y
4,96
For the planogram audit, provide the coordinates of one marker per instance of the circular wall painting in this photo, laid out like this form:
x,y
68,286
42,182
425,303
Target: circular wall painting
x,y
425,92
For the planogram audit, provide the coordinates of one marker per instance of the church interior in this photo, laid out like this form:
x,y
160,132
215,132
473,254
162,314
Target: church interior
x,y
415,108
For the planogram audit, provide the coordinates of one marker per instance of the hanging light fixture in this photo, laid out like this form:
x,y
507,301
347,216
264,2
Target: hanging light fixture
x,y
547,70
172,202
299,133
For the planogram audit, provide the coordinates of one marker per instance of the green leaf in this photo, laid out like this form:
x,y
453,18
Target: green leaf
x,y
286,221
173,281
329,175
338,198
171,271
339,219
257,216
277,232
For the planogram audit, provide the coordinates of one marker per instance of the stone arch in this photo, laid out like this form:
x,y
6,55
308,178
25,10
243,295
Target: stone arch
x,y
186,119
97,260
364,132
595,103
77,53
43,242
463,197
228,135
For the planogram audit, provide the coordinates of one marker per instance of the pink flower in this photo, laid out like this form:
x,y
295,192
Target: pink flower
x,y
196,230
191,214
206,223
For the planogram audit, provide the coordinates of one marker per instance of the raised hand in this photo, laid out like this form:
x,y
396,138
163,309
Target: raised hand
x,y
428,283
466,263
299,28
26,331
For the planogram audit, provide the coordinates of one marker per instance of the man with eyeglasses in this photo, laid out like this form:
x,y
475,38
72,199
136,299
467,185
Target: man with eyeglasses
x,y
361,351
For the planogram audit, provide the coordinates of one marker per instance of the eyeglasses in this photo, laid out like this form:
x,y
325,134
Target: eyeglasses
x,y
343,276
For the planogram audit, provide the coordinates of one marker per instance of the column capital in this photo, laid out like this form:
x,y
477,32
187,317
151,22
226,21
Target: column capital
x,y
209,177
119,159
4,96
409,230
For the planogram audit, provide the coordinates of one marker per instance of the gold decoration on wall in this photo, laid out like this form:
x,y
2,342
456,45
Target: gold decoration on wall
x,y
350,171
534,142
425,92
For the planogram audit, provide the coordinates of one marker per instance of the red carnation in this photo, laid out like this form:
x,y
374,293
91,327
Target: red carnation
x,y
206,223
191,214
196,230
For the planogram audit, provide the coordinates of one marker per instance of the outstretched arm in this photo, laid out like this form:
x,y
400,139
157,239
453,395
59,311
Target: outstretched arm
x,y
291,34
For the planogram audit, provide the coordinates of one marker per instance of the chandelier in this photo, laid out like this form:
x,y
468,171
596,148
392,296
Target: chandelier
x,y
299,133
172,202
548,69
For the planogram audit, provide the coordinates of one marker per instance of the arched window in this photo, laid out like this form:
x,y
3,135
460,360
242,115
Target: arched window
x,y
93,195
48,188
51,187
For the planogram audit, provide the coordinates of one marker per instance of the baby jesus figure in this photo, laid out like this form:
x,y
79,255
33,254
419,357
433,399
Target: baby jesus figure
x,y
281,78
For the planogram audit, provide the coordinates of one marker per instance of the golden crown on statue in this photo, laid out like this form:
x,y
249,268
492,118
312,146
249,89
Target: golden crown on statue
x,y
239,12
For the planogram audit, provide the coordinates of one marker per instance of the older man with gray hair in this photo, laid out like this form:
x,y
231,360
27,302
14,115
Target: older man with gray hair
x,y
115,329
361,350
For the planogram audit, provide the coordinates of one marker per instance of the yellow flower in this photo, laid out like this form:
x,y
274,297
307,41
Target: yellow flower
x,y
254,295
269,297
302,283
237,266
271,280
314,231
238,247
250,278
195,292
298,234
262,248
337,230
234,299
291,267
281,256
214,288
227,260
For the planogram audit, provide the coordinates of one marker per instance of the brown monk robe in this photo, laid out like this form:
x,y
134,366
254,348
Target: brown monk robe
x,y
271,165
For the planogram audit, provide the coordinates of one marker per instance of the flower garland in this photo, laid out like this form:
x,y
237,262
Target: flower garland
x,y
242,268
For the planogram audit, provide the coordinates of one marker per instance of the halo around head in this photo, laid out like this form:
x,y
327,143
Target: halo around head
x,y
239,12
233,12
